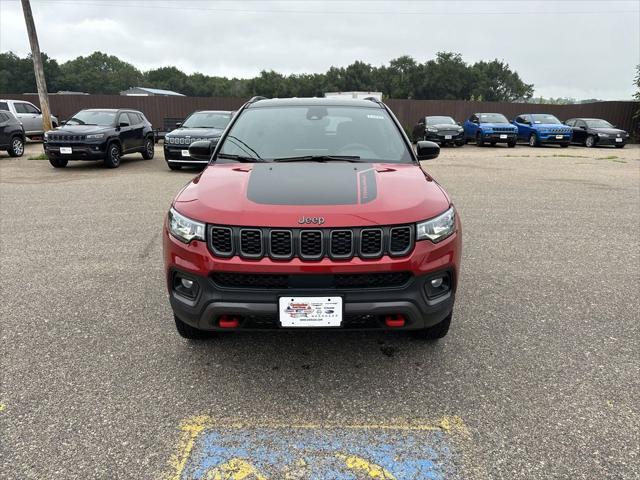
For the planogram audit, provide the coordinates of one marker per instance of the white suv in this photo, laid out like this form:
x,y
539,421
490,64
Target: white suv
x,y
28,114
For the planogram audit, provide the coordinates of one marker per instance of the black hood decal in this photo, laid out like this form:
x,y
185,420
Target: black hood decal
x,y
312,183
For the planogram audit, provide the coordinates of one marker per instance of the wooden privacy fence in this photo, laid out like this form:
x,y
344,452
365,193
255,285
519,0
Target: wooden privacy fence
x,y
157,109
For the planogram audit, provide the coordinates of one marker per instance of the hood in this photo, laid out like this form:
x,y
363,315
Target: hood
x,y
344,194
610,131
81,129
552,126
444,126
498,125
195,132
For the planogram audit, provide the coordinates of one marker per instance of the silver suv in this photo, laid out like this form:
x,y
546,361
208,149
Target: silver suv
x,y
28,114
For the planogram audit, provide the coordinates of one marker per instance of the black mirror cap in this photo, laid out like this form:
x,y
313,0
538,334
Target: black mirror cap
x,y
427,150
201,150
178,124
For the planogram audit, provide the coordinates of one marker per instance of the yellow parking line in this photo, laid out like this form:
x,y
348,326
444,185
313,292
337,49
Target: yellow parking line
x,y
360,465
190,429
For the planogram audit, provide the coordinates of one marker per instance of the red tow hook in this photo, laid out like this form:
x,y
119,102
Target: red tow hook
x,y
227,321
394,321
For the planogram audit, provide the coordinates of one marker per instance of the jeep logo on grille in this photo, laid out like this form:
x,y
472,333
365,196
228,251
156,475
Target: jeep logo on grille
x,y
307,220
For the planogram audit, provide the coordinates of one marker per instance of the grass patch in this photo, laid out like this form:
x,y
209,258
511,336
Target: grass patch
x,y
42,156
562,155
609,157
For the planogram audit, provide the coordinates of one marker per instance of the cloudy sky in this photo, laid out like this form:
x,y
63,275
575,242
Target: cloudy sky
x,y
571,48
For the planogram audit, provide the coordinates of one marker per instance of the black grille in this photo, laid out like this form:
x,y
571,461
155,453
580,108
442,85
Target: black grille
x,y
341,244
400,240
371,242
281,244
503,129
324,282
311,243
222,240
66,138
251,242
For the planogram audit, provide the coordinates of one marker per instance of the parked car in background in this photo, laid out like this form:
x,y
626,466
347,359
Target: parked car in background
x,y
100,134
12,135
542,128
439,129
28,114
490,128
202,125
592,132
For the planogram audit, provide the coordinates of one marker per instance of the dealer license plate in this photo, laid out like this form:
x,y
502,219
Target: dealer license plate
x,y
619,140
185,153
310,311
559,137
447,137
503,136
66,150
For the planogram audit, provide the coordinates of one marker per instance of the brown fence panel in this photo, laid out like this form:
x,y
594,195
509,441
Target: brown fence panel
x,y
408,112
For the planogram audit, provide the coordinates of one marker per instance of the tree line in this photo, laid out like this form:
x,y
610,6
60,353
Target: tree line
x,y
446,77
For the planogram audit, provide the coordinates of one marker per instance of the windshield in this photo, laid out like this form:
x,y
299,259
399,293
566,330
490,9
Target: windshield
x,y
597,123
493,118
92,117
544,118
440,121
286,132
207,120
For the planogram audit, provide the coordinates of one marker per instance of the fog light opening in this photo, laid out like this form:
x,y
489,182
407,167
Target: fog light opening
x,y
185,286
436,282
228,321
395,321
437,286
188,284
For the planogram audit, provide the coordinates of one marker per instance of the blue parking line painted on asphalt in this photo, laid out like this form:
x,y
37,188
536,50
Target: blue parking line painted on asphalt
x,y
269,453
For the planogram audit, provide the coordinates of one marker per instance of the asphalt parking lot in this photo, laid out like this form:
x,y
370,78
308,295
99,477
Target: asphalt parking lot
x,y
536,379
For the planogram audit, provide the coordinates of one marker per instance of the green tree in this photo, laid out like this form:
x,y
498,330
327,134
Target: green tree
x,y
495,81
100,73
170,78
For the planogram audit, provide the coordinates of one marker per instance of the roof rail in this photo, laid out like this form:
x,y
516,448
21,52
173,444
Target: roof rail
x,y
373,99
257,98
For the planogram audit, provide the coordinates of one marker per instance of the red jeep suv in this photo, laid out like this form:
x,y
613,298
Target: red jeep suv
x,y
312,213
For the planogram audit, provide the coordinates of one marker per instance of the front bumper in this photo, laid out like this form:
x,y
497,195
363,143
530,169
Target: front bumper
x,y
173,155
553,138
440,138
89,151
498,137
364,307
610,141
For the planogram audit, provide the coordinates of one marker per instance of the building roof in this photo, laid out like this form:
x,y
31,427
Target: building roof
x,y
156,91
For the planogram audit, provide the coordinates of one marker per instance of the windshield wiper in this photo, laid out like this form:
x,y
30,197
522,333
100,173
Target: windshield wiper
x,y
320,158
240,158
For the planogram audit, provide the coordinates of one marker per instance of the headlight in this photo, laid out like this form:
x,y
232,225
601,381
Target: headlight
x,y
95,135
438,228
460,129
605,135
183,228
486,130
432,129
46,135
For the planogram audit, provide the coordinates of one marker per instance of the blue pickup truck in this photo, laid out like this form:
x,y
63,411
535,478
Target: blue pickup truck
x,y
490,128
541,128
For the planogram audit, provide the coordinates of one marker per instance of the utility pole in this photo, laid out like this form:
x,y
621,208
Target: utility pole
x,y
37,66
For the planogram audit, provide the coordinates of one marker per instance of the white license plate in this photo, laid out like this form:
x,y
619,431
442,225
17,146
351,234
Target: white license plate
x,y
447,137
185,153
503,136
66,150
310,311
559,137
619,140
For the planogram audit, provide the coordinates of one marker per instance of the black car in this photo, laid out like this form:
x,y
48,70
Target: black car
x,y
202,125
11,134
100,134
442,130
592,132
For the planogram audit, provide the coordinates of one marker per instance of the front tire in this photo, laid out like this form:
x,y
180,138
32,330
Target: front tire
x,y
511,144
58,162
533,140
590,142
16,148
187,331
564,145
112,160
619,146
479,140
173,166
439,330
149,149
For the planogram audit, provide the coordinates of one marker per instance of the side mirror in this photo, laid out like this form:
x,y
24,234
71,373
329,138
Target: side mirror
x,y
427,150
178,124
122,124
201,150
63,122
583,127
